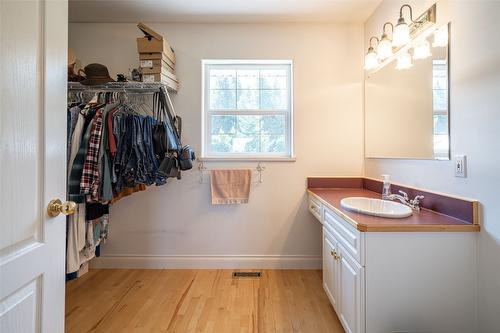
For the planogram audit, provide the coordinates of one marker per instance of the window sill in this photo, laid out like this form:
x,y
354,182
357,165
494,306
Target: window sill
x,y
247,159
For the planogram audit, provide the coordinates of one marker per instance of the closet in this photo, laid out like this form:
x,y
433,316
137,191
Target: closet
x,y
121,138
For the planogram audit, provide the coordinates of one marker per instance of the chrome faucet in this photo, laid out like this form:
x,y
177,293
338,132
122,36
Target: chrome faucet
x,y
405,200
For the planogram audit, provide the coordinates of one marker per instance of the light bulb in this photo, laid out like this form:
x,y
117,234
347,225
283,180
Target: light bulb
x,y
384,48
371,60
401,34
404,61
441,37
422,50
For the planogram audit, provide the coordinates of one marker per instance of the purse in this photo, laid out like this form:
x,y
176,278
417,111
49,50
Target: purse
x,y
168,138
160,138
169,168
186,157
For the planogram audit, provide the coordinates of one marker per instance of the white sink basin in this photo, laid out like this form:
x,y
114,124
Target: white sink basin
x,y
376,207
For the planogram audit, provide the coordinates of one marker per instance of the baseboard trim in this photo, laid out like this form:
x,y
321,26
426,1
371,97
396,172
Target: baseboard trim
x,y
208,261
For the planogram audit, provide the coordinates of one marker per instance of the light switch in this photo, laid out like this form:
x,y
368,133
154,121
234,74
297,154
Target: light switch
x,y
460,163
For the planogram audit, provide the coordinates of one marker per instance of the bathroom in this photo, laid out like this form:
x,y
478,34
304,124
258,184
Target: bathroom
x,y
168,260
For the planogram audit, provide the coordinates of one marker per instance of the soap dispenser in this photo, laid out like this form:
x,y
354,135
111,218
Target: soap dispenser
x,y
386,189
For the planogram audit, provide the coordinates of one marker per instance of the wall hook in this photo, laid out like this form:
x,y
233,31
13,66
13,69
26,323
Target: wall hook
x,y
259,169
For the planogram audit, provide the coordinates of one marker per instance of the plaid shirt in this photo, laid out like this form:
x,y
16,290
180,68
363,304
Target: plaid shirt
x,y
89,183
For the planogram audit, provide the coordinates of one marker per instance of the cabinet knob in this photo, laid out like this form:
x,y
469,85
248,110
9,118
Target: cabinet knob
x,y
335,255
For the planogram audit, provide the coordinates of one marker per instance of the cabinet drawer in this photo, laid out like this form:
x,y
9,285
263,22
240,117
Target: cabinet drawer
x,y
348,236
316,208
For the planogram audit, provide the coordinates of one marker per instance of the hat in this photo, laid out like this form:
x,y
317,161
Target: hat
x,y
96,74
71,56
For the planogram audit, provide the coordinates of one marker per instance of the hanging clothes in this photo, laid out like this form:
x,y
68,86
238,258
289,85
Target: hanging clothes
x,y
111,154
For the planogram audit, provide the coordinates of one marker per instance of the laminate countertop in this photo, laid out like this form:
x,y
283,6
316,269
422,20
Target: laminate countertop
x,y
423,220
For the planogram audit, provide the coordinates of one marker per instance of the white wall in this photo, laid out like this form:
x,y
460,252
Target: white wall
x,y
475,132
177,219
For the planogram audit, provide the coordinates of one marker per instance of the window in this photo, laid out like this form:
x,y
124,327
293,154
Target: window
x,y
247,109
440,109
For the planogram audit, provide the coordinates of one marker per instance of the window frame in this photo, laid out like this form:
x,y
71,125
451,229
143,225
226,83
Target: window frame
x,y
207,113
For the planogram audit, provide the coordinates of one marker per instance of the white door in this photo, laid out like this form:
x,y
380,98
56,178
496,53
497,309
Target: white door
x,y
33,47
330,268
351,292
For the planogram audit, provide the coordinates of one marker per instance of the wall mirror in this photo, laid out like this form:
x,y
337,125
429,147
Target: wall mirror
x,y
407,110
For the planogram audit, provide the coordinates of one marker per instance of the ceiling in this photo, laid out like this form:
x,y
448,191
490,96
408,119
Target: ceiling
x,y
221,11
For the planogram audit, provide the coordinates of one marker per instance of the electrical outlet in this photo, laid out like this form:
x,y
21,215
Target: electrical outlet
x,y
460,163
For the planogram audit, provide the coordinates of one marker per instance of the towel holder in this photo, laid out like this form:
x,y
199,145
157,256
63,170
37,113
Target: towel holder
x,y
202,169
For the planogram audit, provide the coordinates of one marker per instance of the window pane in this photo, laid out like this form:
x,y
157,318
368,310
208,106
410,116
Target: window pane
x,y
249,125
273,125
273,144
441,145
253,146
222,99
223,124
441,124
248,79
439,83
273,79
246,144
248,134
222,143
440,99
222,79
248,99
274,99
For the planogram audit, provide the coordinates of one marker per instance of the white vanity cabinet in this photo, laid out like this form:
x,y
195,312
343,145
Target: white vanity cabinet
x,y
383,282
343,275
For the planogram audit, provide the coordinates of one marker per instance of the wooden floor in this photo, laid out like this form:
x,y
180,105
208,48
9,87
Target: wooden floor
x,y
198,301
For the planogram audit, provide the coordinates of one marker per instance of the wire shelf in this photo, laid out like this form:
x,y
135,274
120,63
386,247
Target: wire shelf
x,y
119,86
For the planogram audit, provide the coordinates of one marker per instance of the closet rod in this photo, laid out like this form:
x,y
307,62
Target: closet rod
x,y
119,87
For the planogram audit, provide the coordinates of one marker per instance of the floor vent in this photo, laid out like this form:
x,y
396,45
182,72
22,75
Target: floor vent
x,y
238,275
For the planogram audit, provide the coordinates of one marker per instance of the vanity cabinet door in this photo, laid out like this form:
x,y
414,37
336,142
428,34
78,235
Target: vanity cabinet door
x,y
330,268
351,281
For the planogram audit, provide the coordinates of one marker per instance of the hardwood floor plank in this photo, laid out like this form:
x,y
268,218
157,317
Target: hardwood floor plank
x,y
208,301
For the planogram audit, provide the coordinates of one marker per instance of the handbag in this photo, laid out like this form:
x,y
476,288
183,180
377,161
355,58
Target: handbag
x,y
167,138
160,138
169,167
185,154
186,157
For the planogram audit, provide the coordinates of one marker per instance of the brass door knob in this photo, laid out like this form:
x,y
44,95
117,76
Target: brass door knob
x,y
57,207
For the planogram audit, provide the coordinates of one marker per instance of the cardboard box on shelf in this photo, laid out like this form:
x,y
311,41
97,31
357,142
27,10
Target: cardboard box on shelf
x,y
153,42
152,63
157,56
152,45
147,31
150,78
159,70
155,63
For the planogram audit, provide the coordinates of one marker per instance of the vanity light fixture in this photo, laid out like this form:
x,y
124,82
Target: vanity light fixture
x,y
422,50
384,47
441,37
401,33
404,61
371,59
401,40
